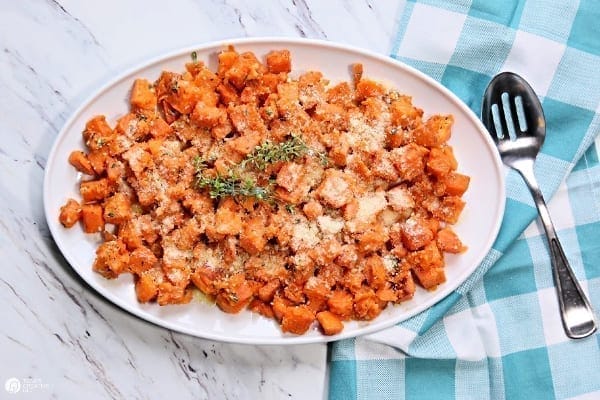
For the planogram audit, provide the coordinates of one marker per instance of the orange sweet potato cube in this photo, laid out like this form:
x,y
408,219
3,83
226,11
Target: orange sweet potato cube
x,y
261,308
98,128
94,190
416,233
436,131
117,209
70,213
267,292
141,259
204,278
227,220
312,209
146,288
330,323
160,129
409,160
375,271
98,159
280,305
448,241
208,116
226,60
456,184
233,299
297,319
142,96
111,259
91,216
367,88
366,304
428,266
252,238
79,160
340,303
169,293
440,163
279,61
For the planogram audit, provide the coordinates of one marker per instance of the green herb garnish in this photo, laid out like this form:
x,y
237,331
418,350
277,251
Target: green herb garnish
x,y
237,183
194,57
269,152
231,186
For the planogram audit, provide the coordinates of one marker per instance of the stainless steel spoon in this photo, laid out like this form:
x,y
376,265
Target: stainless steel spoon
x,y
513,115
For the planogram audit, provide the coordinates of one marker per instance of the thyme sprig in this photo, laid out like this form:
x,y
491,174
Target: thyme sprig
x,y
232,186
238,183
269,153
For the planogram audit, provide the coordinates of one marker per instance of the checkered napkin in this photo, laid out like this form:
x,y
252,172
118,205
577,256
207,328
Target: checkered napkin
x,y
499,335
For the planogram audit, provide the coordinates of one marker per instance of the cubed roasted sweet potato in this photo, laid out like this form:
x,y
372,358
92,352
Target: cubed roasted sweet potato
x,y
435,132
267,292
297,319
448,241
330,323
97,132
340,303
91,216
416,233
79,160
117,208
169,293
70,213
142,95
146,288
312,209
94,190
233,299
279,61
253,236
111,259
206,116
227,219
375,271
141,259
366,304
456,184
428,266
366,88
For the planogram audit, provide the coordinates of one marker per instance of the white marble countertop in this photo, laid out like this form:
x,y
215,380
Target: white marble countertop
x,y
57,336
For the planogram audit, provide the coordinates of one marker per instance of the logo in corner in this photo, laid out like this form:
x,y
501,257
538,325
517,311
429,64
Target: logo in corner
x,y
12,385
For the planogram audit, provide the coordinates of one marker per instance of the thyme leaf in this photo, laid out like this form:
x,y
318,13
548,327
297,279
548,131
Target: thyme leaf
x,y
268,152
231,186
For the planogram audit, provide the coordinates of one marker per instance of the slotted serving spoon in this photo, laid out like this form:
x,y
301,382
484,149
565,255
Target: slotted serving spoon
x,y
513,115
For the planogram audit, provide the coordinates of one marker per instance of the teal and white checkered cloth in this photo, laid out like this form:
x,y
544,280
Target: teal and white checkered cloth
x,y
499,335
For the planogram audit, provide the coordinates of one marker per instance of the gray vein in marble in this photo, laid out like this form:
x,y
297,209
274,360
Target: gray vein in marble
x,y
306,16
62,286
60,8
16,61
97,368
121,342
23,345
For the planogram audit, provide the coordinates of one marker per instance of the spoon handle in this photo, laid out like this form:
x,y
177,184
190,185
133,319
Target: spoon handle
x,y
575,309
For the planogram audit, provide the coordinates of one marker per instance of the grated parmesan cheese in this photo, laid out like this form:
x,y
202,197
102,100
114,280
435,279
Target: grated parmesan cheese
x,y
304,235
329,225
369,206
390,263
400,199
365,136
